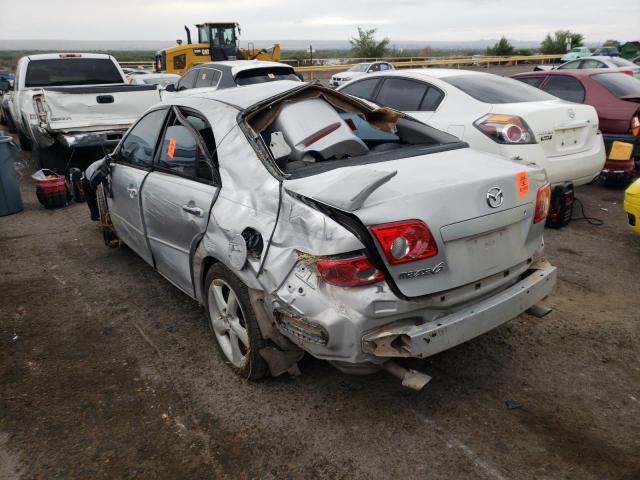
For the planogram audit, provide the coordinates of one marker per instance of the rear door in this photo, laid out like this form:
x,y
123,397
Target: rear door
x,y
409,96
131,164
178,194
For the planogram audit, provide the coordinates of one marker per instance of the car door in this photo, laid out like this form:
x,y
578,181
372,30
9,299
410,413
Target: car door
x,y
416,98
131,163
207,77
565,87
178,194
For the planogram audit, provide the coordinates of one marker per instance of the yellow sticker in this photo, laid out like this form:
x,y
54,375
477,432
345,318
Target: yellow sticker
x,y
522,179
172,147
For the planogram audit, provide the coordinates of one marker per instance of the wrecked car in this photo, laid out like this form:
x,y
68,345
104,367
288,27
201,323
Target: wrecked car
x,y
306,221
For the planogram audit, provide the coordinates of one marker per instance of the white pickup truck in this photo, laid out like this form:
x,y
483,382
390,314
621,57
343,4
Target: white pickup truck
x,y
64,101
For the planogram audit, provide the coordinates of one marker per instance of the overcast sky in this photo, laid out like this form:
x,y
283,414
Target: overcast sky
x,y
447,20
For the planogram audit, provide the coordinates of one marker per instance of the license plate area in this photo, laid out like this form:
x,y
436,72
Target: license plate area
x,y
487,251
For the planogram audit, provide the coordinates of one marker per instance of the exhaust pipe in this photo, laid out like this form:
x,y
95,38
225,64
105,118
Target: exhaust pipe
x,y
188,34
410,378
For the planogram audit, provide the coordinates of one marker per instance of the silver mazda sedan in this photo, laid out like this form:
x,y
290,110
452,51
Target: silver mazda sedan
x,y
306,221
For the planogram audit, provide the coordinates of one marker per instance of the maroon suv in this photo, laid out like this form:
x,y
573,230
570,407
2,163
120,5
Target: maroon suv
x,y
615,95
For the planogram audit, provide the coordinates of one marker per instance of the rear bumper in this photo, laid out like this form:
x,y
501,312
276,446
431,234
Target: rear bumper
x,y
90,139
465,324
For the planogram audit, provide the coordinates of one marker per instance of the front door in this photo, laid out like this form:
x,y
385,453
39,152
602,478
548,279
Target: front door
x,y
178,195
130,167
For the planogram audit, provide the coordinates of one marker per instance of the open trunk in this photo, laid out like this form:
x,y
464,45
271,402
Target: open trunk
x,y
448,191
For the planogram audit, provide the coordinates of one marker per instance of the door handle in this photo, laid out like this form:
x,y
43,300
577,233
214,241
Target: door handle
x,y
193,210
132,192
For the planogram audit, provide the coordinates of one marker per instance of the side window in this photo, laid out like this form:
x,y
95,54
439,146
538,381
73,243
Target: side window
x,y
431,100
138,146
180,152
188,80
374,68
533,81
592,64
403,95
207,77
569,65
384,67
363,89
566,88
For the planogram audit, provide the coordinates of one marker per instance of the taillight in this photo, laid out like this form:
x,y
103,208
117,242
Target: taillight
x,y
70,55
320,135
635,126
543,202
406,241
627,72
349,272
509,129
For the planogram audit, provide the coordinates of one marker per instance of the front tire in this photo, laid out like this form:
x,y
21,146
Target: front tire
x,y
108,232
233,322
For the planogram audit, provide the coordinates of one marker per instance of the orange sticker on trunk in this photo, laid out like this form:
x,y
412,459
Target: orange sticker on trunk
x,y
172,147
522,179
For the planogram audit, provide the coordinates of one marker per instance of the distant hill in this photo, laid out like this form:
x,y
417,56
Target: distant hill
x,y
79,45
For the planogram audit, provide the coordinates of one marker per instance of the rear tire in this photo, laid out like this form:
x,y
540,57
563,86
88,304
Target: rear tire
x,y
108,232
233,323
25,143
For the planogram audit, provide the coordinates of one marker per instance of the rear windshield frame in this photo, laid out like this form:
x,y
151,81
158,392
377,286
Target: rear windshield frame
x,y
494,89
65,71
280,73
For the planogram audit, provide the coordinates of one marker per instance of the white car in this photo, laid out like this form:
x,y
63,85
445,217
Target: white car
x,y
496,115
161,79
358,70
620,64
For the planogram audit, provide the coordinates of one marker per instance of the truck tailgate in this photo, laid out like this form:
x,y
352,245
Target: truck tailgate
x,y
93,108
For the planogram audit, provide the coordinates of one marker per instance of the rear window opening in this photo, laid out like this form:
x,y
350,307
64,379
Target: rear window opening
x,y
72,71
496,89
263,75
316,130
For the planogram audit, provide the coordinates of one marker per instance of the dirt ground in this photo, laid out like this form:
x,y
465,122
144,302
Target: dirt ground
x,y
108,371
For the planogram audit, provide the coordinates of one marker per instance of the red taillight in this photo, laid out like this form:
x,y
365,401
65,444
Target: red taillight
x,y
322,134
507,129
404,242
627,72
349,272
543,202
635,126
70,55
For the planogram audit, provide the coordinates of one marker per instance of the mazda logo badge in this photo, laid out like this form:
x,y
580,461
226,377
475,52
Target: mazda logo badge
x,y
495,197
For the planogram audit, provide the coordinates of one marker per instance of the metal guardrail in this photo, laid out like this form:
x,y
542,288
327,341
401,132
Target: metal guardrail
x,y
398,62
452,61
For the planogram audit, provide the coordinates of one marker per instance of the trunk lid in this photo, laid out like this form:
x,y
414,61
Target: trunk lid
x,y
93,107
448,192
561,128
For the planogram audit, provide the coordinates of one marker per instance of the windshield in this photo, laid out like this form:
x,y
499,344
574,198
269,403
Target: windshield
x,y
360,67
263,75
576,49
618,84
71,71
495,89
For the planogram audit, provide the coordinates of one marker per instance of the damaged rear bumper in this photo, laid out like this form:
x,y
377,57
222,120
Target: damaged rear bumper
x,y
458,327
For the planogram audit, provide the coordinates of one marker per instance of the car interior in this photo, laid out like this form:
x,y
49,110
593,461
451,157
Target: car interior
x,y
316,130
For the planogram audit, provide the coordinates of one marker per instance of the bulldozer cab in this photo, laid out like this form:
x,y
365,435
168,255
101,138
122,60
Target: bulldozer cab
x,y
222,39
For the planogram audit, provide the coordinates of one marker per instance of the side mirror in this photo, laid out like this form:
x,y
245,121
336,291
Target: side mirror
x,y
170,88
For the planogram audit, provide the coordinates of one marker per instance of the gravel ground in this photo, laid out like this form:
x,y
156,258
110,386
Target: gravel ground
x,y
108,371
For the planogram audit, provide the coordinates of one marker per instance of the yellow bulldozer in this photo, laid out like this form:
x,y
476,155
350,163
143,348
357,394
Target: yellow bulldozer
x,y
216,41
